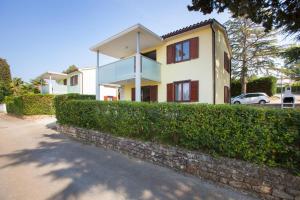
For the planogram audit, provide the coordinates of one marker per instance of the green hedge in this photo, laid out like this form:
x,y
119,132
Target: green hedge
x,y
264,84
60,101
31,104
265,136
14,105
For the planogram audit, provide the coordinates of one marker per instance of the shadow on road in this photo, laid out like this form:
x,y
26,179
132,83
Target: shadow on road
x,y
94,170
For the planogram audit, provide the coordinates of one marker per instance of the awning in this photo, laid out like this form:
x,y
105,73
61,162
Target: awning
x,y
54,76
124,43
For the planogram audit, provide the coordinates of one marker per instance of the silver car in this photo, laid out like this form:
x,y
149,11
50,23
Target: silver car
x,y
251,98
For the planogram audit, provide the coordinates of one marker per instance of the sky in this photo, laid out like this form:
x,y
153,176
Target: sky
x,y
50,35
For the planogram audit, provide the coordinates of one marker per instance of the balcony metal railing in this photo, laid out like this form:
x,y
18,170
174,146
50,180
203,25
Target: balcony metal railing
x,y
124,69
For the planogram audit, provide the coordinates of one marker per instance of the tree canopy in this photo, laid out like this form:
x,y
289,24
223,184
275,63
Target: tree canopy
x,y
71,69
270,13
253,49
291,56
5,75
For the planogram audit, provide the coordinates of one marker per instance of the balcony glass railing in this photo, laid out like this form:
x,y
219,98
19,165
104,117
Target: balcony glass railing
x,y
74,89
125,70
56,89
150,69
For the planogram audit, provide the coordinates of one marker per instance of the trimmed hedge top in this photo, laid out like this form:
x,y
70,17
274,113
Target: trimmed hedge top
x,y
31,104
260,135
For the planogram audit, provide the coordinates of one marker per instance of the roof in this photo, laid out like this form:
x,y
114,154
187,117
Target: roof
x,y
123,44
191,27
53,75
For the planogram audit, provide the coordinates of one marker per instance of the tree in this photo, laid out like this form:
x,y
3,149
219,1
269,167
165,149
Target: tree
x,y
70,69
253,50
291,56
5,75
37,83
270,13
16,86
4,91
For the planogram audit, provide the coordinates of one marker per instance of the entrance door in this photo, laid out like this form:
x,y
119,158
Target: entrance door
x,y
148,93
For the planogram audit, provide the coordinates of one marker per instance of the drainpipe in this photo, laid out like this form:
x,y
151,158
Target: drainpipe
x,y
213,61
138,69
50,85
97,78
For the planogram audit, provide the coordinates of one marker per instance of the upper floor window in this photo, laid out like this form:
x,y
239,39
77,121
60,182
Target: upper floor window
x,y
182,51
227,62
74,80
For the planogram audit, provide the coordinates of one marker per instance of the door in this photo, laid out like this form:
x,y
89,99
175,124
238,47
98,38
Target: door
x,y
148,93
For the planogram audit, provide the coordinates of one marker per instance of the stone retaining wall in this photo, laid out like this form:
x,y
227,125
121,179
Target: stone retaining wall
x,y
265,182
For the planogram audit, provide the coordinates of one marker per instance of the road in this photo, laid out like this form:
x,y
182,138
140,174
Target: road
x,y
37,163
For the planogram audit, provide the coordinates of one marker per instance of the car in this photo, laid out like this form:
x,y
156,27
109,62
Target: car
x,y
251,98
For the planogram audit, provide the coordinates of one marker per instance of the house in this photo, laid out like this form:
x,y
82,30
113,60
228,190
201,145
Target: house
x,y
80,82
191,64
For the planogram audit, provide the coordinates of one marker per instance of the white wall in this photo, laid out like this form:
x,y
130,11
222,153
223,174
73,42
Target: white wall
x,y
89,84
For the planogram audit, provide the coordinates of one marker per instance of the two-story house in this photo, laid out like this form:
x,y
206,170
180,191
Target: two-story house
x,y
81,81
191,64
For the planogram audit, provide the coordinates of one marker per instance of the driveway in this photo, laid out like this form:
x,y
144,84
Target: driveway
x,y
38,163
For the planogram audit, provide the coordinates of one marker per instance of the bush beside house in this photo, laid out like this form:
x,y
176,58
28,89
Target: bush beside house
x,y
264,136
31,104
264,84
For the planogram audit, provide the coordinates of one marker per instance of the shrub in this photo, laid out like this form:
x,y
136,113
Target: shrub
x,y
260,135
31,104
14,105
60,100
264,84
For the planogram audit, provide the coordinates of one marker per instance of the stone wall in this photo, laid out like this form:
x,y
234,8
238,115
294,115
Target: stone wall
x,y
265,182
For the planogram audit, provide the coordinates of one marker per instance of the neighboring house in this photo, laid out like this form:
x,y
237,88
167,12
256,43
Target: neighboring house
x,y
81,82
191,64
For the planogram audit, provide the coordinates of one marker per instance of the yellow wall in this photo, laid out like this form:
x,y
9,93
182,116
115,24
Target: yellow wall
x,y
197,69
222,76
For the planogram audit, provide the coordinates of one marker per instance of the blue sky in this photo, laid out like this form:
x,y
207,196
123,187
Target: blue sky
x,y
49,35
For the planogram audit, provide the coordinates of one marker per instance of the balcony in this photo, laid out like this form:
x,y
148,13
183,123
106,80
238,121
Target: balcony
x,y
56,89
124,70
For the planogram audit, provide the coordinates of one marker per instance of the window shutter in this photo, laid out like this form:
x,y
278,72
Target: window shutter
x,y
194,91
132,94
170,54
226,94
153,93
226,62
170,92
194,48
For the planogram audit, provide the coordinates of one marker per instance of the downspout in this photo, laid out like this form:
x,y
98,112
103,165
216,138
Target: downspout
x,y
81,82
213,61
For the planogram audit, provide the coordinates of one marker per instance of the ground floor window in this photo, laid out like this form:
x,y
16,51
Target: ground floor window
x,y
182,91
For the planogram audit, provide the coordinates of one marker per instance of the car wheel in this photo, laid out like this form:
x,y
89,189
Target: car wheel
x,y
237,102
262,102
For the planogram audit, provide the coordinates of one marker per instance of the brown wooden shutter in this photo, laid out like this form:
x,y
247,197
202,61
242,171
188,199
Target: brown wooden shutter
x,y
132,94
226,62
153,93
194,48
170,92
194,91
226,94
170,54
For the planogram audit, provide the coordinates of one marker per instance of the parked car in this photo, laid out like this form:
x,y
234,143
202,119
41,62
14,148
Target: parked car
x,y
251,98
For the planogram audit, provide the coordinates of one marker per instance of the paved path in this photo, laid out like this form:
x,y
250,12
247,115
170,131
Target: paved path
x,y
38,163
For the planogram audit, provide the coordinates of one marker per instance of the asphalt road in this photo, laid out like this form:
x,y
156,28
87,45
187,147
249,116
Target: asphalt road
x,y
38,163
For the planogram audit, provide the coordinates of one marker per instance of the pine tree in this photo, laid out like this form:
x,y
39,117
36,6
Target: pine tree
x,y
5,75
253,50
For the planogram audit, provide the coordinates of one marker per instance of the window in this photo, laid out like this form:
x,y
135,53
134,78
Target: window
x,y
226,62
182,91
65,81
182,51
74,80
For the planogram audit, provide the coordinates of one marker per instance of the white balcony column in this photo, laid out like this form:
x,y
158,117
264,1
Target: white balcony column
x,y
97,78
50,85
138,69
